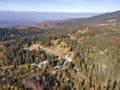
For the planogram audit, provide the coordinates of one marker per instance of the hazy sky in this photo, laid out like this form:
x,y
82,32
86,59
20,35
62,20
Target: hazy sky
x,y
60,5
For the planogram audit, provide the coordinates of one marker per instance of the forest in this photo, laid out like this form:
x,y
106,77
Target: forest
x,y
82,57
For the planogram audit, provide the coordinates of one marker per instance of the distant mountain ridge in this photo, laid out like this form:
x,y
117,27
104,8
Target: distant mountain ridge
x,y
102,19
12,18
112,18
52,20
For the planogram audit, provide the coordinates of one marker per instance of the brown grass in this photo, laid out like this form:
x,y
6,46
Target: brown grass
x,y
54,50
34,47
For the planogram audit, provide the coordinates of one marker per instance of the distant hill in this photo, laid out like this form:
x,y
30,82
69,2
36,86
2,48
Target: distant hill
x,y
108,18
12,18
102,19
112,18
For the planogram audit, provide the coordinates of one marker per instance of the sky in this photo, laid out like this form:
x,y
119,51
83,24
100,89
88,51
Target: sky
x,y
60,5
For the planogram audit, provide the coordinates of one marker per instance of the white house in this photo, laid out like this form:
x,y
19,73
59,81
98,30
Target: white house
x,y
69,59
42,63
45,62
33,64
57,67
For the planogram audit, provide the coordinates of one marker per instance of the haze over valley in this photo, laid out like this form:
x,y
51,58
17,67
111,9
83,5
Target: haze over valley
x,y
16,18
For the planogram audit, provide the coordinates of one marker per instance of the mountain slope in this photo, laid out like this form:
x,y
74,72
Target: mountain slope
x,y
107,18
112,18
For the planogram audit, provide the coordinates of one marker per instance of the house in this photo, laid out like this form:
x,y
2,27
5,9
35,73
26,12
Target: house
x,y
42,63
33,64
69,60
65,58
45,62
57,67
106,50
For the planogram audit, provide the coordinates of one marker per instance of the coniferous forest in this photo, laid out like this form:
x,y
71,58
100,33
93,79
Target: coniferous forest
x,y
74,57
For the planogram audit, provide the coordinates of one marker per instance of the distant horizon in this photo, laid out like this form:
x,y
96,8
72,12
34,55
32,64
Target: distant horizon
x,y
52,11
57,11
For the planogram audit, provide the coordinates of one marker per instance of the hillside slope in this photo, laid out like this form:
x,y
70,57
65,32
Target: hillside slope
x,y
112,18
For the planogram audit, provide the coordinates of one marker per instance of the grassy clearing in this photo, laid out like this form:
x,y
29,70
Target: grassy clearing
x,y
54,50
